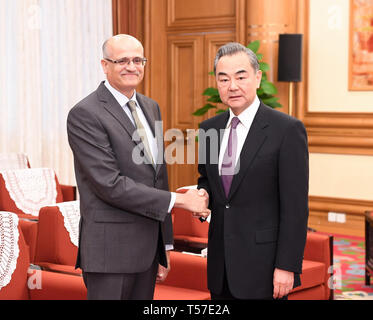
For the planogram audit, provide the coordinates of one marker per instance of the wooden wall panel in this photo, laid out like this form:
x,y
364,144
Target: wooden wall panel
x,y
185,93
185,79
190,60
195,30
213,42
194,14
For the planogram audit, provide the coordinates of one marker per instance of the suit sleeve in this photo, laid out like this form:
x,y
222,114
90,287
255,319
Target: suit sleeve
x,y
96,160
293,188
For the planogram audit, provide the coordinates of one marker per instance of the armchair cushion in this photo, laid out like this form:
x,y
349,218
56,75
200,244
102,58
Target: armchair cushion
x,y
163,292
312,275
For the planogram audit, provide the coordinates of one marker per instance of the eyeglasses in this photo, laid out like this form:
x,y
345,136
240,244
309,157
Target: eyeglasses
x,y
137,61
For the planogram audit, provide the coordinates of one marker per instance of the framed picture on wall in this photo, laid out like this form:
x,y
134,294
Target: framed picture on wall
x,y
361,45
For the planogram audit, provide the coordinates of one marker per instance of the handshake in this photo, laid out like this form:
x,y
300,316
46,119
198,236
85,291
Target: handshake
x,y
194,200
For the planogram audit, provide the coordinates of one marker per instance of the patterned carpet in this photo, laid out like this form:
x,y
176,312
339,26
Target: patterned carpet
x,y
349,269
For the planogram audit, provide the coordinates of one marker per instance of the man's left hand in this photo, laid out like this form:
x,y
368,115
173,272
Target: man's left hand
x,y
162,271
283,282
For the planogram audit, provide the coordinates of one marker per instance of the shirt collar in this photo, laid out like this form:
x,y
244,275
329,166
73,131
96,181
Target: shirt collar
x,y
120,97
247,116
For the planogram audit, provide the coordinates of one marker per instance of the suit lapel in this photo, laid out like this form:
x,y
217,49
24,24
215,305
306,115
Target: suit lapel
x,y
113,107
254,140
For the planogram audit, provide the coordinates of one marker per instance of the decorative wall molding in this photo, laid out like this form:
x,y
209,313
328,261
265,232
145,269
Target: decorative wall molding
x,y
206,17
349,206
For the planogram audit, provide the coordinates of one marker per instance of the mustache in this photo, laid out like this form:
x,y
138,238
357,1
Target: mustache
x,y
130,73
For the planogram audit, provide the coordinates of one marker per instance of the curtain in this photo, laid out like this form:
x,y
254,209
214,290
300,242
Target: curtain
x,y
50,53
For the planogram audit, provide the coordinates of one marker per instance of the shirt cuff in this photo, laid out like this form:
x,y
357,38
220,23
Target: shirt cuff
x,y
172,201
169,247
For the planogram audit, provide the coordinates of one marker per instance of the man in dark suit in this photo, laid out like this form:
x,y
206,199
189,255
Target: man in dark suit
x,y
257,187
122,180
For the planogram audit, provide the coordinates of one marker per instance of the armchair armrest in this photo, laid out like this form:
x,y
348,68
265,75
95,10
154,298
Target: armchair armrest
x,y
319,247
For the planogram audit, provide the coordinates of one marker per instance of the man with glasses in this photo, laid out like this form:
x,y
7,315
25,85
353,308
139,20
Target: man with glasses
x,y
125,225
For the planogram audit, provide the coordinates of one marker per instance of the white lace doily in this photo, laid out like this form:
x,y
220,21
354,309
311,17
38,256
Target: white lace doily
x,y
31,189
13,161
71,215
9,249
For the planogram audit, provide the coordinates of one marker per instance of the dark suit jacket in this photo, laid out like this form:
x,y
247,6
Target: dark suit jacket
x,y
262,224
124,205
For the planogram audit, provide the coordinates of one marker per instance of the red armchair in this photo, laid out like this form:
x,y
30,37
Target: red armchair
x,y
19,282
57,239
18,195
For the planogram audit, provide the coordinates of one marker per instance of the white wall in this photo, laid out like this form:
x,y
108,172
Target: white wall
x,y
331,175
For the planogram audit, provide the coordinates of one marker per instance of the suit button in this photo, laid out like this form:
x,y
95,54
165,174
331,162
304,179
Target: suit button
x,y
227,206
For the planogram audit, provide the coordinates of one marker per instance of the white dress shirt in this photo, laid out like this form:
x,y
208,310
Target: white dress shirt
x,y
246,119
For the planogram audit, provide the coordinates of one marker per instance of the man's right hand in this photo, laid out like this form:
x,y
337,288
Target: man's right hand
x,y
195,201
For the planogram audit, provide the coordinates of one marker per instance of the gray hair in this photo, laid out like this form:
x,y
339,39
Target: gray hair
x,y
231,49
105,53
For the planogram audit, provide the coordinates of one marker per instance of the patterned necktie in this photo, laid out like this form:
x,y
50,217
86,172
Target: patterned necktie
x,y
229,159
132,105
